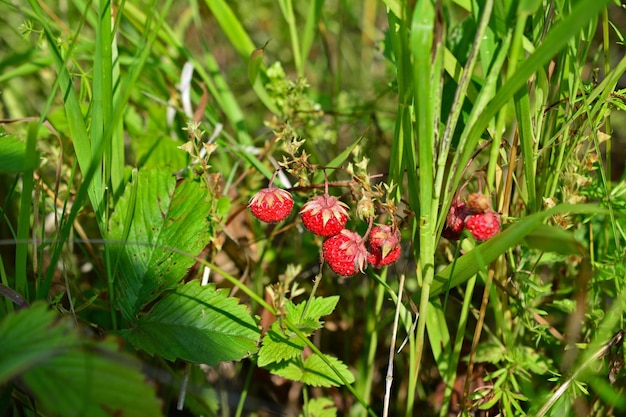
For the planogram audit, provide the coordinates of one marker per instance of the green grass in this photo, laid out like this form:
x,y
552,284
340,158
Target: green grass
x,y
123,187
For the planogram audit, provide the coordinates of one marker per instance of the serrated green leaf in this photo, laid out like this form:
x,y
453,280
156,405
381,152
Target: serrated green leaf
x,y
314,371
166,218
197,324
320,407
68,375
490,352
308,326
319,307
12,154
26,336
278,346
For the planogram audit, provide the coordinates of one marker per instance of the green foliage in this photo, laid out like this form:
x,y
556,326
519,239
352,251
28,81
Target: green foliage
x,y
156,224
135,132
282,350
320,407
67,372
197,324
315,370
12,154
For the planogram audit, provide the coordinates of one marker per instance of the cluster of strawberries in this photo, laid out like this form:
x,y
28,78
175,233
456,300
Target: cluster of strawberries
x,y
345,251
476,215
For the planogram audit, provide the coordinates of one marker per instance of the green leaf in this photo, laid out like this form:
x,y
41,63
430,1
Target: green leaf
x,y
279,346
197,324
319,307
12,154
168,227
254,63
554,239
314,371
320,407
68,375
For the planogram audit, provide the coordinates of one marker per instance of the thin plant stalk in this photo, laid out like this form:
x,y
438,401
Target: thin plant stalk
x,y
392,351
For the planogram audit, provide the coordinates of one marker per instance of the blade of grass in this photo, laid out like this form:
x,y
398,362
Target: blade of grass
x,y
459,98
286,7
426,40
556,39
101,104
71,100
241,42
31,162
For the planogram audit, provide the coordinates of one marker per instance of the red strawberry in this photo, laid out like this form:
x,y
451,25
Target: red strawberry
x,y
483,226
384,238
455,220
384,245
345,253
271,205
324,215
377,260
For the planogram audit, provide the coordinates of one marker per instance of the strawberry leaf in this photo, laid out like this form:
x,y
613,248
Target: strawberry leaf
x,y
162,224
320,407
319,307
279,345
313,371
68,375
197,324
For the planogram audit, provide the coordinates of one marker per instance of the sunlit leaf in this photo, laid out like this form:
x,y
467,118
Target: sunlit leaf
x,y
164,219
313,371
279,345
197,324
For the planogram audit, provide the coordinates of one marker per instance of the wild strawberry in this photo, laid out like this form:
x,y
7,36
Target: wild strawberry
x,y
271,204
483,226
377,260
384,245
345,253
455,220
478,203
324,215
384,238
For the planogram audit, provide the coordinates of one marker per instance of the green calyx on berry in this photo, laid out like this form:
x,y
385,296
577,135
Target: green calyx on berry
x,y
271,205
324,215
345,253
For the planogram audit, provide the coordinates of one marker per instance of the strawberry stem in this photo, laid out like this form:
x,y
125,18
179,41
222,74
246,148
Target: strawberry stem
x,y
276,171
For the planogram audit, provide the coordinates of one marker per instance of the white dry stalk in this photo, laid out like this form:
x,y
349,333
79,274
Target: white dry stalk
x,y
183,388
205,276
392,348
